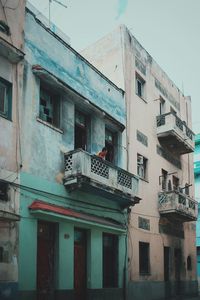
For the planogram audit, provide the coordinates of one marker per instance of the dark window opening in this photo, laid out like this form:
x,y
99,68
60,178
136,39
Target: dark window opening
x,y
49,107
142,166
139,86
187,191
5,98
164,180
189,263
162,106
3,191
144,263
166,263
110,145
175,181
1,254
110,260
80,134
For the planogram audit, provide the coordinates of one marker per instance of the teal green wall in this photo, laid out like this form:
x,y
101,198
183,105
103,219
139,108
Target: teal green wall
x,y
95,259
56,194
27,253
65,256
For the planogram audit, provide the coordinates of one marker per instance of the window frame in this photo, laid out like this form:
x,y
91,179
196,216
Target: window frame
x,y
144,270
85,128
142,166
4,188
7,113
55,99
139,79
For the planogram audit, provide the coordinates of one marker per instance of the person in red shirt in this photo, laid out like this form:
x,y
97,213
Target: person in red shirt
x,y
103,153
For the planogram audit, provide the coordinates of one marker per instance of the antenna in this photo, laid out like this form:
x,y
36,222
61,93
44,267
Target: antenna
x,y
50,2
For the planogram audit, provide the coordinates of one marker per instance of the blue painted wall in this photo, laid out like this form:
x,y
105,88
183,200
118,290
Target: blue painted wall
x,y
43,150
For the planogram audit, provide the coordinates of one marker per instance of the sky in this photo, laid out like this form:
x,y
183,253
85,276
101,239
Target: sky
x,y
168,29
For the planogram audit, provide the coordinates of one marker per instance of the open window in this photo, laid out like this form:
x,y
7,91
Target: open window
x,y
139,86
110,144
5,98
164,179
176,183
3,191
142,166
81,130
162,106
50,103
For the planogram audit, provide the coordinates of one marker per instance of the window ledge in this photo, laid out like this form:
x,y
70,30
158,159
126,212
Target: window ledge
x,y
49,125
142,98
5,117
143,179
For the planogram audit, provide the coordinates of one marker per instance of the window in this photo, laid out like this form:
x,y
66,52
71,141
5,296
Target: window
x,y
5,98
164,179
187,191
144,264
139,86
110,260
142,166
189,263
3,191
110,141
162,106
49,106
175,181
81,130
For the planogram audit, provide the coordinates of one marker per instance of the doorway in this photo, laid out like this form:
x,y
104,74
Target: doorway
x,y
177,266
45,260
80,263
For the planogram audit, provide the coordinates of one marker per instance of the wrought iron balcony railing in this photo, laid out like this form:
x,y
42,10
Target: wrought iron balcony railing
x,y
177,205
174,133
91,173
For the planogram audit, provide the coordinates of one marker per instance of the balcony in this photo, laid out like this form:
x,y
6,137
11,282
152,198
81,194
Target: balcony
x,y
176,205
174,134
92,174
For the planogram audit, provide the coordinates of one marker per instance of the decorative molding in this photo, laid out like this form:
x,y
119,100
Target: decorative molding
x,y
141,137
144,223
140,66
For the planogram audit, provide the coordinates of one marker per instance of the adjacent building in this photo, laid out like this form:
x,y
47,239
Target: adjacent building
x,y
73,205
197,197
11,70
160,142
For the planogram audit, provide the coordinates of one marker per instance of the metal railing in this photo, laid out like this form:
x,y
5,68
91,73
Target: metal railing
x,y
177,202
171,123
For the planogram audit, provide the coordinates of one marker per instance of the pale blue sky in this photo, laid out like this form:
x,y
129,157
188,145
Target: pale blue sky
x,y
168,29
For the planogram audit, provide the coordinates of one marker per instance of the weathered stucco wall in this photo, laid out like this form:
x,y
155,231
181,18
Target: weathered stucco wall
x,y
12,14
142,112
40,155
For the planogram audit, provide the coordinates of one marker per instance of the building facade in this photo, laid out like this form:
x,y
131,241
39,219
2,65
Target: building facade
x,y
11,71
162,254
73,204
197,197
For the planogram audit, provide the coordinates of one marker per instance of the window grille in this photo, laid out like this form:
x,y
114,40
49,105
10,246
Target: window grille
x,y
68,162
99,167
124,179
